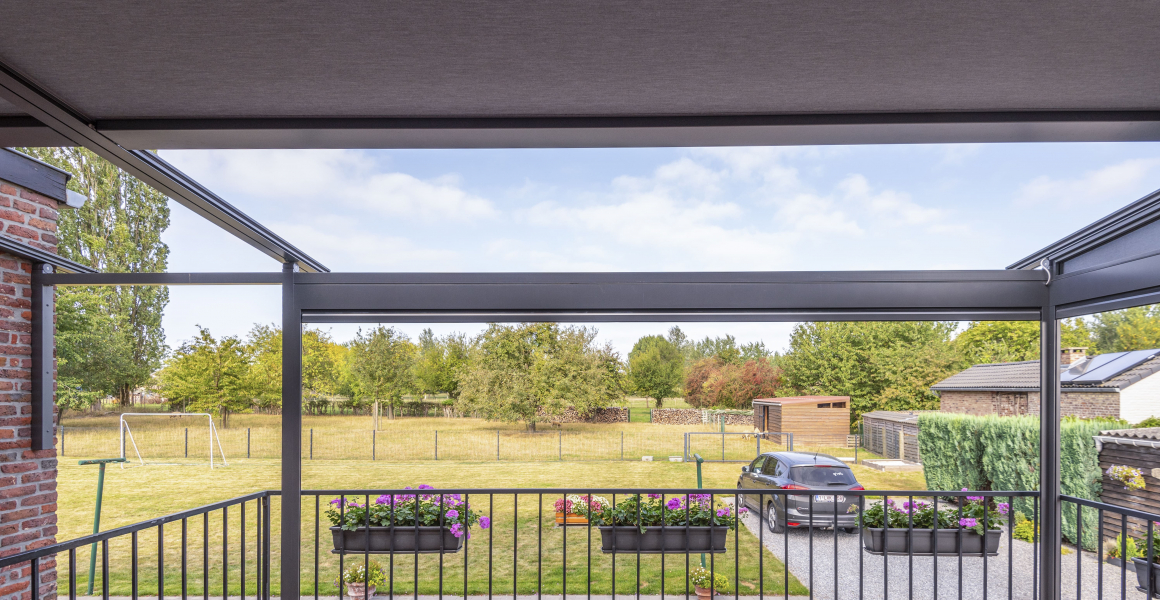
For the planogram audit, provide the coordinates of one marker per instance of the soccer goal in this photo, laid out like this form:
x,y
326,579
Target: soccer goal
x,y
127,438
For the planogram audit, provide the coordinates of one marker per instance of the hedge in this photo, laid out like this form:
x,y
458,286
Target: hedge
x,y
1002,453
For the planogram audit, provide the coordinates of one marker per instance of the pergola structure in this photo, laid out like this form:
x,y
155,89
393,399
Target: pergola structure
x,y
118,77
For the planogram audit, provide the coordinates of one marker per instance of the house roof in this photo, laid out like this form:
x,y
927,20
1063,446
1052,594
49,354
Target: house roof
x,y
801,400
896,416
1144,433
1106,372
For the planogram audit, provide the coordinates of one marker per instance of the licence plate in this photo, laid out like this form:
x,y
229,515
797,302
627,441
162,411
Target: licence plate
x,y
820,498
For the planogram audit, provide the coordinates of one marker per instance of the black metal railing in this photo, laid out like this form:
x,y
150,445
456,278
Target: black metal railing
x,y
1115,530
811,544
120,575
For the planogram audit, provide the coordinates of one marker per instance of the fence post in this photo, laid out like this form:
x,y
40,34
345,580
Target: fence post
x,y
436,444
791,441
622,445
311,443
187,442
374,442
857,442
62,440
759,444
497,445
247,442
560,444
722,442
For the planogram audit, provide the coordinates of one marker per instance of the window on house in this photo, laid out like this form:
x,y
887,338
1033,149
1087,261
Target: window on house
x,y
826,405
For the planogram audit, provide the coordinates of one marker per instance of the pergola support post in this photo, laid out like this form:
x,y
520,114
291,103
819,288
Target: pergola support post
x,y
291,435
43,304
1050,566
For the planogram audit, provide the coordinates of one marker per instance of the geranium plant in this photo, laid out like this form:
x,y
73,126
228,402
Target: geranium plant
x,y
401,510
1133,479
371,574
921,515
695,510
575,504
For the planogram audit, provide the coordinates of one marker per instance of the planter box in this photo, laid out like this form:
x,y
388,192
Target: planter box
x,y
1117,563
570,519
396,540
922,542
673,539
1142,571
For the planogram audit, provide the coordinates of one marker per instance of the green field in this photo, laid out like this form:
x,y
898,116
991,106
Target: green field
x,y
138,493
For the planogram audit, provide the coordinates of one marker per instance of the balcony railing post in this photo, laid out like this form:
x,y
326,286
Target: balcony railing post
x,y
1050,562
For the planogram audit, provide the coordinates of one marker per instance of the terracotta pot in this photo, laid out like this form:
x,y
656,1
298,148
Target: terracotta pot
x,y
356,591
570,519
703,593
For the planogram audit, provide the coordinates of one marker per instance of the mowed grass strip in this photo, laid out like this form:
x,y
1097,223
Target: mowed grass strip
x,y
136,494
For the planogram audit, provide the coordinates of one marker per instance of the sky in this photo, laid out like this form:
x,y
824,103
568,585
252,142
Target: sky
x,y
958,206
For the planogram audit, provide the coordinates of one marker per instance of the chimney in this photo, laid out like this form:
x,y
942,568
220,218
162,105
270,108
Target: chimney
x,y
1070,356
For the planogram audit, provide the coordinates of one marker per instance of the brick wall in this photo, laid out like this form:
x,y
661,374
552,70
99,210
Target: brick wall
x,y
1072,404
27,478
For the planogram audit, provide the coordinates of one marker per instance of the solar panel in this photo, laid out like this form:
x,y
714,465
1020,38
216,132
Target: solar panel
x,y
1105,366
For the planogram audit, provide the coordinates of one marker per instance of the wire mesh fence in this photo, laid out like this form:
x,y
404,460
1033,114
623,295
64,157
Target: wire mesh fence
x,y
193,444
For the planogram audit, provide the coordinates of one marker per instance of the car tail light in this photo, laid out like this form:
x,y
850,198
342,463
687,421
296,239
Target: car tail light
x,y
792,524
858,487
794,486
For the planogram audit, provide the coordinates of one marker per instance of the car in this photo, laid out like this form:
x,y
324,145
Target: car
x,y
774,471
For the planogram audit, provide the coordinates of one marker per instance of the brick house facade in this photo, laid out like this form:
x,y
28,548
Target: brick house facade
x,y
28,498
1130,392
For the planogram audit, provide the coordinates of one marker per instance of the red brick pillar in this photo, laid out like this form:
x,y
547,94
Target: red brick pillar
x,y
27,478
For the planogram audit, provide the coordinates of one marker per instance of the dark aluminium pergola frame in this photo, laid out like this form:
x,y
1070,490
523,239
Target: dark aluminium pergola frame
x,y
1046,286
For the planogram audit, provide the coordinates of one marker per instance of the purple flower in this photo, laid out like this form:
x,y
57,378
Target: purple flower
x,y
673,504
452,514
723,511
424,486
484,522
743,510
457,530
654,496
968,522
1003,508
336,501
384,499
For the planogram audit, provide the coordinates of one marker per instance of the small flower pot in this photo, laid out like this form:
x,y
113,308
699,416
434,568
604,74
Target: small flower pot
x,y
1142,574
703,593
395,540
672,539
356,591
570,519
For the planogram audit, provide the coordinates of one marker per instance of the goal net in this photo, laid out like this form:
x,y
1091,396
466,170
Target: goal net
x,y
157,443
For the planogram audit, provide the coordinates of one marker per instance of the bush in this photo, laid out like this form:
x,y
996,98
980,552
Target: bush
x,y
1024,530
1002,453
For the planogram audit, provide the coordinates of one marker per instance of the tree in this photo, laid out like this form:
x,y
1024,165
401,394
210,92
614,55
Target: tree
x,y
209,375
656,368
532,372
117,230
1136,328
879,365
439,363
381,361
322,373
984,342
714,383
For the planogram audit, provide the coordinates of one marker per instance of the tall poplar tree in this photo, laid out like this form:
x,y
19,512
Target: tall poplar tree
x,y
111,337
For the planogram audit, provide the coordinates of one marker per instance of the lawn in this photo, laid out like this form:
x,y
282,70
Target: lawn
x,y
135,494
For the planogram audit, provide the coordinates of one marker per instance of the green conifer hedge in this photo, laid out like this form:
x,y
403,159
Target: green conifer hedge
x,y
1002,453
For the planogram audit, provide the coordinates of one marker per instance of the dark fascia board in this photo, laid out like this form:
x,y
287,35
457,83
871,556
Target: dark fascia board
x,y
158,279
35,254
635,131
25,131
30,173
149,168
1131,217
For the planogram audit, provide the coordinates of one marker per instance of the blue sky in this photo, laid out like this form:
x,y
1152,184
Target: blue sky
x,y
685,209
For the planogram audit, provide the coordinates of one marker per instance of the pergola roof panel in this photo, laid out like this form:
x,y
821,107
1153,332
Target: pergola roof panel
x,y
131,60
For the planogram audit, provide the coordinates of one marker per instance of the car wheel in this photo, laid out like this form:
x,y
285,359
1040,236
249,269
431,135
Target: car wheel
x,y
771,519
849,529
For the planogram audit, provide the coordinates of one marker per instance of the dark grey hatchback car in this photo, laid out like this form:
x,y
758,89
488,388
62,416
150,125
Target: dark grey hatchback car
x,y
822,474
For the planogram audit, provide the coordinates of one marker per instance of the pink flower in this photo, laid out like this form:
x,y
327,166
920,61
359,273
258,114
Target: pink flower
x,y
457,530
673,504
968,522
452,514
743,510
654,496
484,522
723,511
1003,508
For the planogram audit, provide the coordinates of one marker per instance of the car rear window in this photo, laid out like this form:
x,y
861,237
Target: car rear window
x,y
822,475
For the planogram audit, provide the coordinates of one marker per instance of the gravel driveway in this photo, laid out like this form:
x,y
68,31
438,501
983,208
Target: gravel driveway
x,y
897,571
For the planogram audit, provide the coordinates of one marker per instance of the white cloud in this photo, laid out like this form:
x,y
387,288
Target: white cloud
x,y
1115,183
306,179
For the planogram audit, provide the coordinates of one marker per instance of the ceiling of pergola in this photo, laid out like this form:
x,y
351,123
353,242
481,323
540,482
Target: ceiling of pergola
x,y
124,64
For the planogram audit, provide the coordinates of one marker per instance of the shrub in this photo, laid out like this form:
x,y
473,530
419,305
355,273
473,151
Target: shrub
x,y
371,574
706,579
1024,530
1113,548
1002,453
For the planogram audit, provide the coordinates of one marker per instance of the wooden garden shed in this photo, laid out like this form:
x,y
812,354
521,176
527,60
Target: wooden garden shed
x,y
814,418
1138,449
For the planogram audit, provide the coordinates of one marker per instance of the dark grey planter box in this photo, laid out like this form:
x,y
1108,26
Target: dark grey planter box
x,y
923,542
1117,563
1143,571
672,540
396,540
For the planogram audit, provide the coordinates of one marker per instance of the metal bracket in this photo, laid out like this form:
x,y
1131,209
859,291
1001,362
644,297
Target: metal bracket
x,y
1045,264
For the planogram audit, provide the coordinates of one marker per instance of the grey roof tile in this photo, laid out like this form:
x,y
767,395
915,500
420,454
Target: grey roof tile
x,y
1024,377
